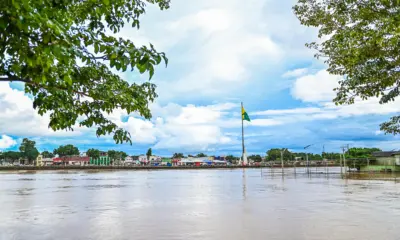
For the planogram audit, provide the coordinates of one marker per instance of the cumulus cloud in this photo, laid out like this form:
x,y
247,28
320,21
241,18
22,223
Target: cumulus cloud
x,y
317,90
315,87
6,142
17,116
295,73
180,127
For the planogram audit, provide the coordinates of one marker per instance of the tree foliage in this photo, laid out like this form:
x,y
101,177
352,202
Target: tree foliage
x,y
67,150
93,153
28,150
116,155
275,154
362,44
256,158
47,154
201,155
361,152
149,153
63,51
11,156
178,155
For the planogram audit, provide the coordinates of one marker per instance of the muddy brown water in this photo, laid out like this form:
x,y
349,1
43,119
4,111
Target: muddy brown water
x,y
196,204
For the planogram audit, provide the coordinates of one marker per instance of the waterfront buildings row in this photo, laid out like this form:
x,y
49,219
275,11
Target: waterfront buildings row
x,y
104,160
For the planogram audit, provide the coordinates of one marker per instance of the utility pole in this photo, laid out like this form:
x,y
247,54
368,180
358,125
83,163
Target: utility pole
x,y
282,161
344,157
308,164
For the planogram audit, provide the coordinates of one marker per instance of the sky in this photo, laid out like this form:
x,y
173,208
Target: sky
x,y
221,53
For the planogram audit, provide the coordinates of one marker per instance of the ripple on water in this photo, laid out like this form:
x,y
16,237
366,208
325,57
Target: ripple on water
x,y
104,186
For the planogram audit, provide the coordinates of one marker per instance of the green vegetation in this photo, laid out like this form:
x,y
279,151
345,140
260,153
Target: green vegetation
x,y
93,153
178,155
149,153
67,150
255,158
116,155
201,155
47,154
10,156
64,52
360,41
28,150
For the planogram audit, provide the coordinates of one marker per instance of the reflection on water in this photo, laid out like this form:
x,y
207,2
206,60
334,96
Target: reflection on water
x,y
197,204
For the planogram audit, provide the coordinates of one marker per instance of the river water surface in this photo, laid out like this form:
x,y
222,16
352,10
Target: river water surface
x,y
195,204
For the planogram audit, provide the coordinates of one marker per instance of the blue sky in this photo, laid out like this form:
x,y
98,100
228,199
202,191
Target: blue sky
x,y
221,53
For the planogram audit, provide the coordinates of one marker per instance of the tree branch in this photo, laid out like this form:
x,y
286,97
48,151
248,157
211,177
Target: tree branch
x,y
13,79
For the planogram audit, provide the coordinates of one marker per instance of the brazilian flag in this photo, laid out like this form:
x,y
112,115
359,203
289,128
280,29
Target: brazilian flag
x,y
245,116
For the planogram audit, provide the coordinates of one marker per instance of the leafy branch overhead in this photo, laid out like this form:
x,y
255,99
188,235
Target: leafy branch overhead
x,y
64,50
362,45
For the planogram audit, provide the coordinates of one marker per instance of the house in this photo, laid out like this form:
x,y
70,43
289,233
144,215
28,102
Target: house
x,y
176,161
39,160
47,161
102,160
71,160
131,161
166,162
143,159
155,160
128,160
383,161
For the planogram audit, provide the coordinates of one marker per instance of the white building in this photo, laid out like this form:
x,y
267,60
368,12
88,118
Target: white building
x,y
143,159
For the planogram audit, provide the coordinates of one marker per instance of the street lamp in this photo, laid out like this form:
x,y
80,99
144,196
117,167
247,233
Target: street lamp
x,y
308,164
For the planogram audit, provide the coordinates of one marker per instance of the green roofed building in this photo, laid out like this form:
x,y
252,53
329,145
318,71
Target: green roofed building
x,y
103,160
166,161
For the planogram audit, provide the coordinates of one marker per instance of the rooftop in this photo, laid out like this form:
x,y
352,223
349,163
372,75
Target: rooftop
x,y
385,153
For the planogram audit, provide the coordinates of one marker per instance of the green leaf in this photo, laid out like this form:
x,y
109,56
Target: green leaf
x,y
52,45
151,71
68,79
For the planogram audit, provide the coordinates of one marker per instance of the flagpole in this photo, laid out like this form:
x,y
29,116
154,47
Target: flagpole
x,y
241,111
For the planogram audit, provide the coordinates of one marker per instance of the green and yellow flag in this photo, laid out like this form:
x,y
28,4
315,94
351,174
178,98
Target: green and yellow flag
x,y
245,116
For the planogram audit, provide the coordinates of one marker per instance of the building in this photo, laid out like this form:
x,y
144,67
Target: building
x,y
176,161
128,160
383,161
39,160
102,160
143,159
71,160
47,161
166,162
155,160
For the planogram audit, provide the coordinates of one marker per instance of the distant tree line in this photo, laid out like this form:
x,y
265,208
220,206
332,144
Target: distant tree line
x,y
28,151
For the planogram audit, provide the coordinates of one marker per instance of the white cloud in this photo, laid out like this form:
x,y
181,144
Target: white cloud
x,y
378,132
315,87
6,142
307,110
318,89
17,116
180,127
295,73
265,122
213,46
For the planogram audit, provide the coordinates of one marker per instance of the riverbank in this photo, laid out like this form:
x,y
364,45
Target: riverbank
x,y
35,168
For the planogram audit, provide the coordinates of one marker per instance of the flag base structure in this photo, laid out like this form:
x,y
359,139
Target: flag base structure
x,y
243,161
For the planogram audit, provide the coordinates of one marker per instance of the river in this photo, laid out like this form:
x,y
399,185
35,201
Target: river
x,y
195,204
